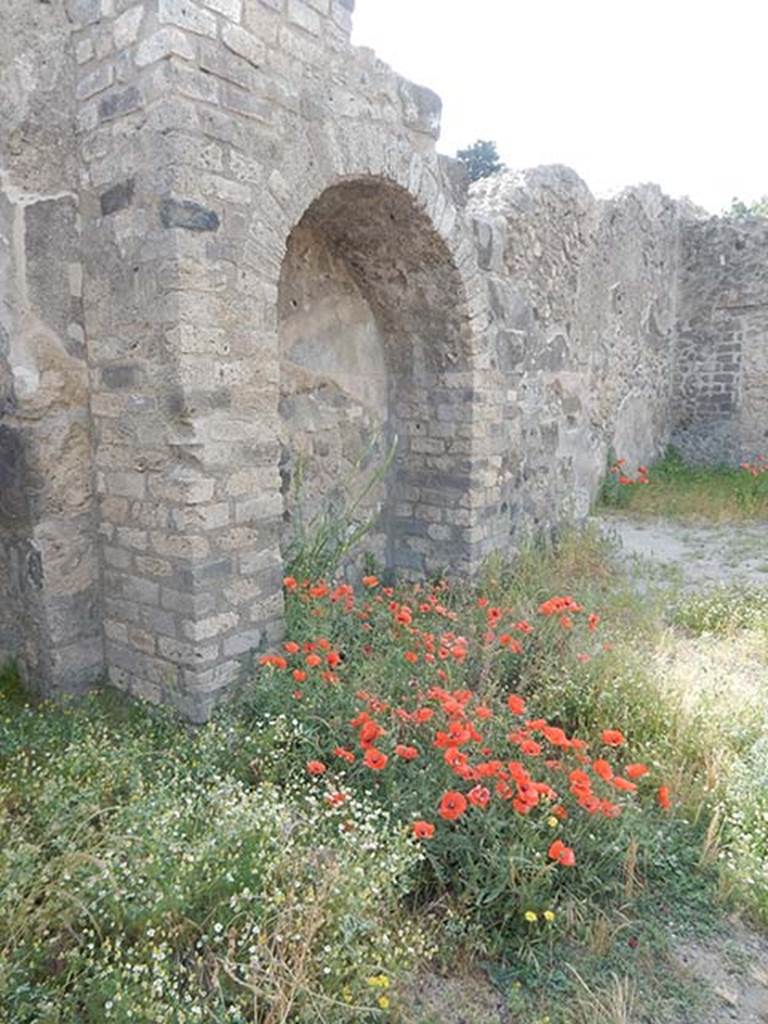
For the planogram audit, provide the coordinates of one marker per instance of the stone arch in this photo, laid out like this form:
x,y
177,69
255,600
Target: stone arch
x,y
375,341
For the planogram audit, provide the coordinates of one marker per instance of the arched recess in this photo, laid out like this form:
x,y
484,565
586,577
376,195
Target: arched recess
x,y
375,340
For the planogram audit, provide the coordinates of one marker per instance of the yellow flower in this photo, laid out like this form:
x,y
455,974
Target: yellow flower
x,y
384,981
347,994
532,916
384,1002
549,915
552,821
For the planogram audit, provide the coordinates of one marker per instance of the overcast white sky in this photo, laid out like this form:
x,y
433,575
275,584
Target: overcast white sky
x,y
624,91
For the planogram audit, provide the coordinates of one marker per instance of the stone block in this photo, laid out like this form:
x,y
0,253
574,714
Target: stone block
x,y
95,81
246,103
184,213
118,197
126,27
119,103
164,43
241,643
83,12
179,545
187,15
231,9
301,13
214,625
244,44
187,654
135,588
126,484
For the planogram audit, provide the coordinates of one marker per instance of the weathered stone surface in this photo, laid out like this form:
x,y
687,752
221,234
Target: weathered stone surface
x,y
116,104
184,213
721,412
117,198
233,268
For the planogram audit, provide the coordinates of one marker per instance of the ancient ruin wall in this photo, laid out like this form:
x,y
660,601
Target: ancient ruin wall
x,y
721,402
582,298
49,577
228,241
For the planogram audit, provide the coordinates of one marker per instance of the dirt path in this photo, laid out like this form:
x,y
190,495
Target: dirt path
x,y
733,967
698,555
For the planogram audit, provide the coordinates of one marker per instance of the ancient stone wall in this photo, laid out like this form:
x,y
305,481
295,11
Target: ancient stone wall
x,y
49,577
582,295
231,259
721,408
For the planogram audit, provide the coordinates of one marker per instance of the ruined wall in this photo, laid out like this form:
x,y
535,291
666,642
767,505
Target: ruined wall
x,y
583,297
49,579
206,133
721,408
229,248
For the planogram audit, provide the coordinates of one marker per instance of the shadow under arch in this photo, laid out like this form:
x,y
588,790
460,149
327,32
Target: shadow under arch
x,y
375,339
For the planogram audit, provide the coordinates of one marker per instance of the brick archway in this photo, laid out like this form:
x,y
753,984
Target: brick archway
x,y
375,341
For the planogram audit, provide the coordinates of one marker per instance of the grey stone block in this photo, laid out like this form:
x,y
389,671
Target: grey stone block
x,y
187,214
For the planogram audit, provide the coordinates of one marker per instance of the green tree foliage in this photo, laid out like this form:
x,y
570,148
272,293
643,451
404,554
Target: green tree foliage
x,y
758,208
481,159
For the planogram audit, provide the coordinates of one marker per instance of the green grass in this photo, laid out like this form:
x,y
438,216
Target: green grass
x,y
719,494
174,872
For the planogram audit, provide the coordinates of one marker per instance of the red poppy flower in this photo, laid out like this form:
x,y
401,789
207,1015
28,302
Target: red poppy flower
x,y
316,767
407,753
452,805
610,810
636,771
370,732
479,796
516,704
335,799
370,581
313,660
603,769
561,853
289,583
612,737
291,647
273,660
423,830
663,799
530,747
625,785
345,755
375,760
299,675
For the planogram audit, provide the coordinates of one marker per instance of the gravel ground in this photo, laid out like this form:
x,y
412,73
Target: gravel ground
x,y
698,555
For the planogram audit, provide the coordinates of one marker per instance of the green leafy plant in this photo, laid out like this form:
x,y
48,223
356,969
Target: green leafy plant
x,y
481,160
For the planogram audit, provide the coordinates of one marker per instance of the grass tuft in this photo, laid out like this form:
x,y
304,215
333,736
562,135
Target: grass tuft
x,y
719,494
